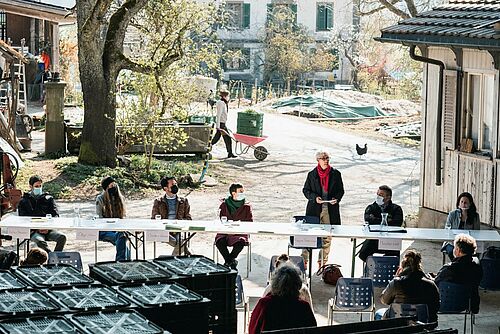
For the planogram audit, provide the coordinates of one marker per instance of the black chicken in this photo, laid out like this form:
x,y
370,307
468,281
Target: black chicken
x,y
361,150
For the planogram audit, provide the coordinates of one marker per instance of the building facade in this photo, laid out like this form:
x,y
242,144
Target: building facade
x,y
247,24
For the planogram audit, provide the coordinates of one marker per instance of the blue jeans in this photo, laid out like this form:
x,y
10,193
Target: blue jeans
x,y
379,314
119,240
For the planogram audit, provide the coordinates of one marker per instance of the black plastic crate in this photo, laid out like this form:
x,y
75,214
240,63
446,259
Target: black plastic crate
x,y
8,281
209,279
117,322
52,275
127,272
171,306
88,298
25,302
38,325
225,323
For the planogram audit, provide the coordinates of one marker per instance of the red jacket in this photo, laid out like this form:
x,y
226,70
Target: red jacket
x,y
243,213
272,313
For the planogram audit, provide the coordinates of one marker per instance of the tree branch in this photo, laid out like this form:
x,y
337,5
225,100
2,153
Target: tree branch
x,y
394,9
96,13
376,10
410,4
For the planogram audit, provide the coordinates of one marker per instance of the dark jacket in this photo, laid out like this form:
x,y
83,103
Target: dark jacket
x,y
462,270
160,207
272,313
373,214
413,288
312,189
243,213
37,206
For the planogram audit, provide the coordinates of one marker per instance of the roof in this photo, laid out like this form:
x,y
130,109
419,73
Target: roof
x,y
460,23
39,10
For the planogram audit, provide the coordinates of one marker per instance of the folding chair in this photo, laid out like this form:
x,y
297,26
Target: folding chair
x,y
456,299
248,244
421,311
381,269
242,302
491,273
352,295
296,260
71,258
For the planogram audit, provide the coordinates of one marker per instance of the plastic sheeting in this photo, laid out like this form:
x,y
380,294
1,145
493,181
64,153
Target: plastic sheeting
x,y
328,108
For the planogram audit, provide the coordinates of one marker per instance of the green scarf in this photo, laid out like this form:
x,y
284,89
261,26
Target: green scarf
x,y
233,205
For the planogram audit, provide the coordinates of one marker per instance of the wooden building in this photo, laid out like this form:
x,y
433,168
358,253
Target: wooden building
x,y
459,46
35,22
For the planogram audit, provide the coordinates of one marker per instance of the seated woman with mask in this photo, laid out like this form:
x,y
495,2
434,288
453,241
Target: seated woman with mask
x,y
464,217
110,204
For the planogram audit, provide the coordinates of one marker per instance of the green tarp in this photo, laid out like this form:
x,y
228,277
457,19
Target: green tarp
x,y
329,108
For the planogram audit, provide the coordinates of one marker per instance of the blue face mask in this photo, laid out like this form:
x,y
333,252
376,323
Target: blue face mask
x,y
37,191
240,196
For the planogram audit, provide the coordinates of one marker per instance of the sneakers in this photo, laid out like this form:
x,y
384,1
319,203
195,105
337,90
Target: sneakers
x,y
233,264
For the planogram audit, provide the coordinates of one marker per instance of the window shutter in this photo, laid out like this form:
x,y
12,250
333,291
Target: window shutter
x,y
246,15
450,108
269,12
320,17
329,16
294,11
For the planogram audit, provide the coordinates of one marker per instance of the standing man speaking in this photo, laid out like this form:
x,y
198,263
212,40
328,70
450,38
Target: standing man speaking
x,y
222,107
324,190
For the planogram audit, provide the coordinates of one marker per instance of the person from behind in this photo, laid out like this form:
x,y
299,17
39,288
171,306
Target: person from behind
x,y
304,293
324,190
462,269
411,286
170,206
282,308
110,204
37,203
464,217
235,208
36,256
373,215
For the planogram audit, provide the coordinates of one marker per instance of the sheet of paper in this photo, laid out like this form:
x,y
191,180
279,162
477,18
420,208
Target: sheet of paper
x,y
389,244
18,232
87,234
157,236
305,241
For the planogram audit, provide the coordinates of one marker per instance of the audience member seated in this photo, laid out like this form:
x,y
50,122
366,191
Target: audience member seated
x,y
37,203
462,269
233,208
464,217
36,256
411,286
7,259
373,215
304,294
282,308
173,207
110,204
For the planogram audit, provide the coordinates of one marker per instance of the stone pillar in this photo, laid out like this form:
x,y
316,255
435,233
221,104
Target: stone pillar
x,y
55,139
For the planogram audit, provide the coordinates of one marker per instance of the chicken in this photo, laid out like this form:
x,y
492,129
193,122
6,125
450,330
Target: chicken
x,y
361,150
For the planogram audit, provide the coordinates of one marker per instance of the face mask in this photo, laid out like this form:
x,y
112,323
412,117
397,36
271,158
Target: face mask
x,y
464,207
240,196
380,200
174,189
113,191
37,191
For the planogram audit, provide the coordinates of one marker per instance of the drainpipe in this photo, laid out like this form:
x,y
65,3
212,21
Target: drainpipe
x,y
439,110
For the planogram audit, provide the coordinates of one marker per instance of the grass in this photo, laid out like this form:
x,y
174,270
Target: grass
x,y
67,179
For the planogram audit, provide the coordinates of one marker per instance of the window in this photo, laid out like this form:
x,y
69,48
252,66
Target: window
x,y
478,109
324,16
238,59
283,11
238,14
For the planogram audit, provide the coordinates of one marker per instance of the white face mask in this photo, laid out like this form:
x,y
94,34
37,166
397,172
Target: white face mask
x,y
379,200
240,196
37,191
464,207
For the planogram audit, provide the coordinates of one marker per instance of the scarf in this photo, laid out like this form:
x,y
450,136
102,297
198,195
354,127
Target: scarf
x,y
324,176
233,205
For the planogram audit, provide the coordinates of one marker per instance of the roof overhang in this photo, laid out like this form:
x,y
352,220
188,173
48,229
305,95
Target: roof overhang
x,y
446,41
37,10
11,54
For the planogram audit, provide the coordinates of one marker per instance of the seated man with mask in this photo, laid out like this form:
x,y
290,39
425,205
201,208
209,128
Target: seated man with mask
x,y
171,206
37,203
373,215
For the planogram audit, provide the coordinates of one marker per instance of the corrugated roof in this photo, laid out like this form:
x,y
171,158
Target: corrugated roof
x,y
464,23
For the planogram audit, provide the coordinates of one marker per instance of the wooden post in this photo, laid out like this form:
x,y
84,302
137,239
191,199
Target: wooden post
x,y
55,139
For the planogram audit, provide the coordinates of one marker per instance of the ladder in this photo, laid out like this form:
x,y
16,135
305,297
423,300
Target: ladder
x,y
20,72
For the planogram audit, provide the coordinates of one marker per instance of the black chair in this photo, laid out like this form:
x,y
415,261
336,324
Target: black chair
x,y
456,299
491,273
242,301
296,260
420,311
381,269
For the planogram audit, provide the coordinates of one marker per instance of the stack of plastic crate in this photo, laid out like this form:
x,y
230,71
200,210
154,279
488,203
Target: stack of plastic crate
x,y
52,275
211,280
128,272
39,325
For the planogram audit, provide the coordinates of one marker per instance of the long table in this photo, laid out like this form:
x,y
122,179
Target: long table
x,y
157,230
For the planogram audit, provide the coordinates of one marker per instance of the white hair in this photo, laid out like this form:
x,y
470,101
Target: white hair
x,y
319,154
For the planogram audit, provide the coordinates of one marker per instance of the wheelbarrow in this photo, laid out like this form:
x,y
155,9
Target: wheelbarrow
x,y
244,142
